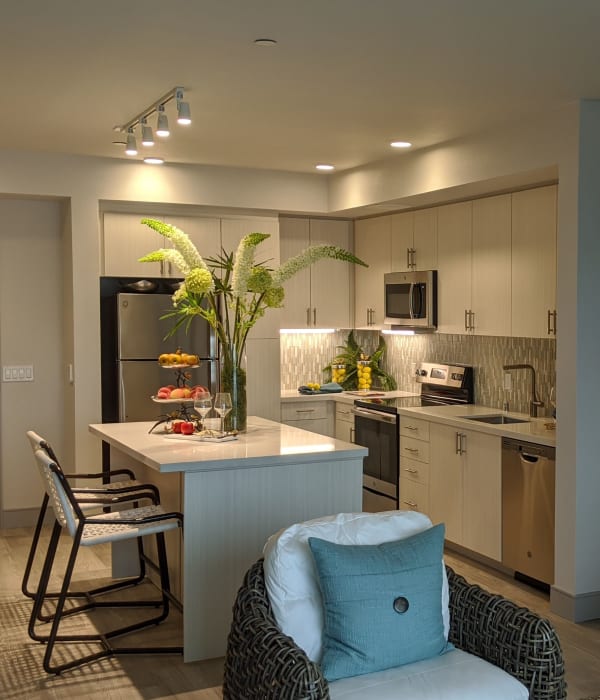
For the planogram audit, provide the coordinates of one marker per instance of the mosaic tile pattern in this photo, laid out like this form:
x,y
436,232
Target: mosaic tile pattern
x,y
303,356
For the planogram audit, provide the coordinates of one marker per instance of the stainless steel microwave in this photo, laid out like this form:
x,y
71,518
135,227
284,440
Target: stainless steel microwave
x,y
410,300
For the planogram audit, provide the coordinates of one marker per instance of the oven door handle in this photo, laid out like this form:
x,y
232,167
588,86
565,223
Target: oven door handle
x,y
373,415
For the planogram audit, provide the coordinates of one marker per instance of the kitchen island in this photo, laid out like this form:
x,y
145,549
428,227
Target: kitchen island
x,y
233,496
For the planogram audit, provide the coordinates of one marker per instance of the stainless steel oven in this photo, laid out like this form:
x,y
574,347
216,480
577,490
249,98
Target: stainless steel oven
x,y
377,427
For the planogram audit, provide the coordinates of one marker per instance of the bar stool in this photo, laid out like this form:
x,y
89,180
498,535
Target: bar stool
x,y
87,531
118,492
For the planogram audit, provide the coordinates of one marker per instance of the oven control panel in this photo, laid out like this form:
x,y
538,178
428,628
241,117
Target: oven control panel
x,y
445,375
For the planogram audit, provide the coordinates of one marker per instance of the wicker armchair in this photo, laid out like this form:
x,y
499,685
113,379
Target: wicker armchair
x,y
264,664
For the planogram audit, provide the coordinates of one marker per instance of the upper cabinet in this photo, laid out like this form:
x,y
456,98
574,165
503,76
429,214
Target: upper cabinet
x,y
491,266
372,244
454,225
534,262
318,296
414,240
126,240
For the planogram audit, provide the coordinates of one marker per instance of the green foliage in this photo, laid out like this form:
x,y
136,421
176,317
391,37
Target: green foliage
x,y
350,354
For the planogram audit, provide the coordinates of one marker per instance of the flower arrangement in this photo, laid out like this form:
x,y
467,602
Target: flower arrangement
x,y
350,358
231,291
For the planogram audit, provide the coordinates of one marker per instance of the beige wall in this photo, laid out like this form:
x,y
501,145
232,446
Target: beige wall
x,y
31,293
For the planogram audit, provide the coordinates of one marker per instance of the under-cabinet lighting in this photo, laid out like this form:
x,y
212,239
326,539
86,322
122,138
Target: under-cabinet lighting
x,y
389,331
306,330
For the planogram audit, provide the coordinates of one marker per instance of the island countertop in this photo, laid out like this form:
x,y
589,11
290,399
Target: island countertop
x,y
265,443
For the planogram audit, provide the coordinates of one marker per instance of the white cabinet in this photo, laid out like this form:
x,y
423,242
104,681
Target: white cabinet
x,y
126,240
414,240
233,229
465,487
372,244
414,465
491,266
318,296
344,422
474,268
316,416
454,267
534,262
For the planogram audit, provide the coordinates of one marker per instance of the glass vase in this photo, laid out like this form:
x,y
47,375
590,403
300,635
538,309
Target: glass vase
x,y
233,380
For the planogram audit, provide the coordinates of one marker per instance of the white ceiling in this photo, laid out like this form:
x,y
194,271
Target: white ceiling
x,y
346,77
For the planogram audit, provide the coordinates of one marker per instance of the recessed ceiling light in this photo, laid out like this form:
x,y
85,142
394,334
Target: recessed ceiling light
x,y
153,160
325,166
265,42
400,144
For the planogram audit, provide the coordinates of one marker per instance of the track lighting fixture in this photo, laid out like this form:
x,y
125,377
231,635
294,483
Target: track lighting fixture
x,y
147,136
131,146
162,122
183,109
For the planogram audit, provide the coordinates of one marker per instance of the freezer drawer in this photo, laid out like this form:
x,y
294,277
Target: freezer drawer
x,y
528,484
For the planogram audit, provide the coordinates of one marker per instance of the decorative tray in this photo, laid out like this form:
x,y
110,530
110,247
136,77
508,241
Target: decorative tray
x,y
199,437
179,401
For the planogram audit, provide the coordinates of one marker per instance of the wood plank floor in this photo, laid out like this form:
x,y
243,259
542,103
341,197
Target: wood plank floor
x,y
154,677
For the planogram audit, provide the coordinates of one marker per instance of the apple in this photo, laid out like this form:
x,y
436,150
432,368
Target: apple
x,y
177,426
186,392
177,394
187,428
199,389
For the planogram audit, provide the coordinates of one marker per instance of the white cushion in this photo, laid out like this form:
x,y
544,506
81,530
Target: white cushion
x,y
455,675
291,577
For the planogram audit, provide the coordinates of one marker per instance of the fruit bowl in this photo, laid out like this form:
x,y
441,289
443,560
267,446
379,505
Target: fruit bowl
x,y
179,366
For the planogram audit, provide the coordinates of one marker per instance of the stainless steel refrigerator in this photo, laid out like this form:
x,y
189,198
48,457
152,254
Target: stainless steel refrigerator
x,y
134,334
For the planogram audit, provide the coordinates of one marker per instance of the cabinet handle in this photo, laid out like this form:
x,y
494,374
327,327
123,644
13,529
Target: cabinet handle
x,y
466,319
414,450
413,258
462,441
408,258
410,504
352,435
411,471
305,410
410,427
457,444
308,316
315,316
554,325
472,320
551,322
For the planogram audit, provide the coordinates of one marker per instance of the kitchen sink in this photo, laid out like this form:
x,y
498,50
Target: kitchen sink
x,y
497,419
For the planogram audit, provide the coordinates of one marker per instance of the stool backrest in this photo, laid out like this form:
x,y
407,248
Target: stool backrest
x,y
65,506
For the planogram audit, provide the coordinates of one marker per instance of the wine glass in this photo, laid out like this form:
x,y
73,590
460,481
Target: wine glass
x,y
223,405
553,402
203,405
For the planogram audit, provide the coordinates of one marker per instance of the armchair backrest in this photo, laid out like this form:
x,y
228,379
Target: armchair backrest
x,y
37,442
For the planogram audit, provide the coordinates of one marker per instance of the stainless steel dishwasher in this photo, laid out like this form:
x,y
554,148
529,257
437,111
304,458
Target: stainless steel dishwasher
x,y
528,509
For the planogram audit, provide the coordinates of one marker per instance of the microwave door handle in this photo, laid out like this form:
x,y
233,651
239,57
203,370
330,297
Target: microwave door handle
x,y
411,295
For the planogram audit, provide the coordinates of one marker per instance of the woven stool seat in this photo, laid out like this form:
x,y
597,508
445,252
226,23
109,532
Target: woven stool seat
x,y
99,528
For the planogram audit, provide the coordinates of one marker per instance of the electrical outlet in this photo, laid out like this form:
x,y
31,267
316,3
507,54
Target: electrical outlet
x,y
507,381
17,373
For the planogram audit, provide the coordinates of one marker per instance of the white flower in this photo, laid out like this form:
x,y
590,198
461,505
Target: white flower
x,y
243,263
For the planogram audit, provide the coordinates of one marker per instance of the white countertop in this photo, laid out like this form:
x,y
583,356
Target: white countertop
x,y
534,430
265,443
343,396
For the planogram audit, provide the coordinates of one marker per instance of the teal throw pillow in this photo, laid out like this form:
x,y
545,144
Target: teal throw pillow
x,y
382,603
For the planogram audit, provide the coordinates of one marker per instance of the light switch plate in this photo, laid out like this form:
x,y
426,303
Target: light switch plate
x,y
17,373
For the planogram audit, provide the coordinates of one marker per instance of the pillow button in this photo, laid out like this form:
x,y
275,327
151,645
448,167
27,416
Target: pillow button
x,y
401,605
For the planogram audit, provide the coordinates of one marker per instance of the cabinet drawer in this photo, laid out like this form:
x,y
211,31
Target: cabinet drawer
x,y
305,410
414,471
417,450
414,428
344,413
414,496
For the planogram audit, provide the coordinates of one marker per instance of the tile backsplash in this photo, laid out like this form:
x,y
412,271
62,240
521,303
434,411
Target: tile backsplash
x,y
303,357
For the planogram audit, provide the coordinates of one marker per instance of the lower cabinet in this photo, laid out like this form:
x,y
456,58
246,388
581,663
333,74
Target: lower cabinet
x,y
465,487
414,465
316,416
344,422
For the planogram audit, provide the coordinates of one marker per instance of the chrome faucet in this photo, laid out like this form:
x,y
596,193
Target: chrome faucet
x,y
534,403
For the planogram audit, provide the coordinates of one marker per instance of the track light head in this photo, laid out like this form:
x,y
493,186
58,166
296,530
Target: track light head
x,y
162,124
183,108
131,145
147,135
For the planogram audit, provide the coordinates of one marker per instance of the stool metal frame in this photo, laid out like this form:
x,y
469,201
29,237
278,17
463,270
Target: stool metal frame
x,y
89,531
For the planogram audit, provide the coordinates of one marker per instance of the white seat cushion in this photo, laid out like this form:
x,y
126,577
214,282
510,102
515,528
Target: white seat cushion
x,y
291,577
455,675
